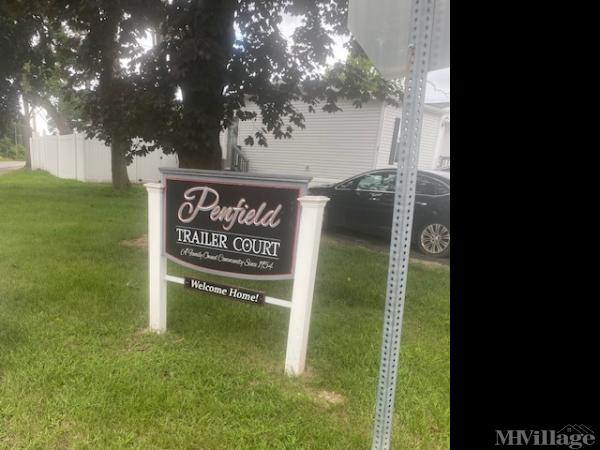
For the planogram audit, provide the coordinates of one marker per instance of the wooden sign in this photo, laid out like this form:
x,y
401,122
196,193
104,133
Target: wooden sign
x,y
238,225
232,224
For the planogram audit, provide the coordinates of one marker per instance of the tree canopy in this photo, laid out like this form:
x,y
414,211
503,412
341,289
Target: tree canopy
x,y
225,57
210,62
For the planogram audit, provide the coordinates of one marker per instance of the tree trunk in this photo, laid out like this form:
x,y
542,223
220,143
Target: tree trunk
x,y
206,156
118,163
110,71
211,24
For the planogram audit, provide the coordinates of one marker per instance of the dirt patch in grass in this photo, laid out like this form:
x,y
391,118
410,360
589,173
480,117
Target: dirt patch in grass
x,y
330,397
430,263
141,242
145,339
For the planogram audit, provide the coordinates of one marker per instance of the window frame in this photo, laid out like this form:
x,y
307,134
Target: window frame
x,y
378,172
434,180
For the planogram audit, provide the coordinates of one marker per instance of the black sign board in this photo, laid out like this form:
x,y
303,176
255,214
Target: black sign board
x,y
232,224
224,290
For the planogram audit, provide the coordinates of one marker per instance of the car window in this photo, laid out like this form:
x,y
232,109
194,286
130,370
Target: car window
x,y
351,184
377,182
429,186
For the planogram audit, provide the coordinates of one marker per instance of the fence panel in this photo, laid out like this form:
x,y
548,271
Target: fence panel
x,y
97,161
80,156
147,166
67,167
75,157
51,154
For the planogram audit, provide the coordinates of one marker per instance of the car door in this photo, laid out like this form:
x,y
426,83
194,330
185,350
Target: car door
x,y
341,203
371,208
428,205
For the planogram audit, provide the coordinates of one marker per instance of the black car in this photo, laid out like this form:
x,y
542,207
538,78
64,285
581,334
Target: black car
x,y
364,203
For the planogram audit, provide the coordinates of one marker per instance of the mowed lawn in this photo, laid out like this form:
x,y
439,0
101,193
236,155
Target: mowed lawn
x,y
78,369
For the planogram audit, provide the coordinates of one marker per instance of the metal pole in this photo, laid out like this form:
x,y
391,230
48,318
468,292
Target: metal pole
x,y
420,28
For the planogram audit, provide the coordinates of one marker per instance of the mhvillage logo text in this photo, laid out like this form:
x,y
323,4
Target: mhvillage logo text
x,y
571,436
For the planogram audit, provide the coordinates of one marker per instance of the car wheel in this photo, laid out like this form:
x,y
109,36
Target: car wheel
x,y
434,240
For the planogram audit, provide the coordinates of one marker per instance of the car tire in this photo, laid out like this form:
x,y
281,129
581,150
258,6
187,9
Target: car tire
x,y
434,240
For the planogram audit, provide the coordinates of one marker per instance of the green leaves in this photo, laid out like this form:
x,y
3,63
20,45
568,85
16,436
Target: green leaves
x,y
212,60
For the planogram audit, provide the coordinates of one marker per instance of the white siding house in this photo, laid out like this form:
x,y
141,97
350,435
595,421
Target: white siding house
x,y
334,146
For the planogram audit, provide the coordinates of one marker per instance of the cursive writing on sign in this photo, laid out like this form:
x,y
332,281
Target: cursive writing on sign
x,y
207,199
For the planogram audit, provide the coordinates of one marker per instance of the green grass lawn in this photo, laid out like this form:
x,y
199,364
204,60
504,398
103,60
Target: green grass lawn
x,y
78,370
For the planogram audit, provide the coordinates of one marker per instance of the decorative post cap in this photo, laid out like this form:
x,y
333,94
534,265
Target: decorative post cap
x,y
313,200
154,186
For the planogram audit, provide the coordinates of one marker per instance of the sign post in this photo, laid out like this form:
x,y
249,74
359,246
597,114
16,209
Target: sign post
x,y
404,201
157,263
241,226
307,254
403,38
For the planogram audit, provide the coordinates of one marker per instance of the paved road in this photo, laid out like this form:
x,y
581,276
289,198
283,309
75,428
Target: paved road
x,y
6,166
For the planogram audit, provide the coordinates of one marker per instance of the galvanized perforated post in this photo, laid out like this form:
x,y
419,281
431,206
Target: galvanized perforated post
x,y
421,27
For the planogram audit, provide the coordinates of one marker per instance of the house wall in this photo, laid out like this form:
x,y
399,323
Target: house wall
x,y
431,147
444,149
385,142
333,146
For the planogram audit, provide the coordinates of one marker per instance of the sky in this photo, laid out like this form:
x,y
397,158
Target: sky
x,y
438,81
437,90
438,86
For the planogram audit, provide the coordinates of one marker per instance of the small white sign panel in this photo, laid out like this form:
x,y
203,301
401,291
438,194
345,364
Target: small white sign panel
x,y
381,27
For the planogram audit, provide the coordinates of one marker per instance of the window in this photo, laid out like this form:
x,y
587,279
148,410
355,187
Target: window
x,y
377,182
429,186
348,185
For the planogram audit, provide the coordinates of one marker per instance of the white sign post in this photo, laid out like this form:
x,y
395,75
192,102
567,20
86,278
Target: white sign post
x,y
305,268
157,262
307,254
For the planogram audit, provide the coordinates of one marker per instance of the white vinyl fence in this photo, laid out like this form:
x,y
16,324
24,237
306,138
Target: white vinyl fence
x,y
75,157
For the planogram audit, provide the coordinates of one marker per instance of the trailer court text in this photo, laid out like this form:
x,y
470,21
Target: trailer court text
x,y
254,246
